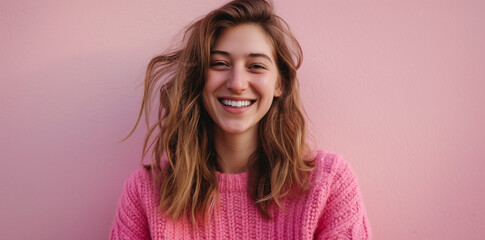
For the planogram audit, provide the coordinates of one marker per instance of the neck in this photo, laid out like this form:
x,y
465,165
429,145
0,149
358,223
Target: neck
x,y
234,150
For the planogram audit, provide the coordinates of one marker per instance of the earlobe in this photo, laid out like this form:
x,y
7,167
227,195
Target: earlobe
x,y
278,92
278,89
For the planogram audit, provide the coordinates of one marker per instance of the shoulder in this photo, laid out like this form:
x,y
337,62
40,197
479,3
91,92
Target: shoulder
x,y
331,172
328,161
132,214
142,181
139,178
330,164
342,214
138,187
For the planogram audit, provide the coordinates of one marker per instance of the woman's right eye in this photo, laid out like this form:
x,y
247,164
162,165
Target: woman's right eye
x,y
219,64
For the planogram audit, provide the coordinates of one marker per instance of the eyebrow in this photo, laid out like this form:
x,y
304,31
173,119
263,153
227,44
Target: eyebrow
x,y
249,55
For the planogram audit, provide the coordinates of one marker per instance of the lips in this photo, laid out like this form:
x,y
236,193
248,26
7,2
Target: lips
x,y
235,102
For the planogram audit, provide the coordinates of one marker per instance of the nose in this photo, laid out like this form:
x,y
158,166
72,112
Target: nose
x,y
237,80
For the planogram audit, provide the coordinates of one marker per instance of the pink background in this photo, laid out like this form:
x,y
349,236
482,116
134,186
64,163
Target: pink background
x,y
396,87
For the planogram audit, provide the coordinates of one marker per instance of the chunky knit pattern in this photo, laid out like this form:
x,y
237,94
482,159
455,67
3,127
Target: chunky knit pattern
x,y
331,209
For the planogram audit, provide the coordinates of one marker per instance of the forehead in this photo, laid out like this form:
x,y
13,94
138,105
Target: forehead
x,y
244,39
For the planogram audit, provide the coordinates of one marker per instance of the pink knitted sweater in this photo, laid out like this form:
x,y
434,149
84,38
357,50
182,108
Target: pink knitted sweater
x,y
332,209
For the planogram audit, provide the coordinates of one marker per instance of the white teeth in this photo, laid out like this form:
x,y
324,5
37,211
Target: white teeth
x,y
236,103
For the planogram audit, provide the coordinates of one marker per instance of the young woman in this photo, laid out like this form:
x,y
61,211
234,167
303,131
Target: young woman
x,y
229,158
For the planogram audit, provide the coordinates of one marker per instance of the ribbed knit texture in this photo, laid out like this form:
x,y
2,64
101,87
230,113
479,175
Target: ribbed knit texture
x,y
331,209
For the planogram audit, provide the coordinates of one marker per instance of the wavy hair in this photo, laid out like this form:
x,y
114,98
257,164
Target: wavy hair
x,y
183,158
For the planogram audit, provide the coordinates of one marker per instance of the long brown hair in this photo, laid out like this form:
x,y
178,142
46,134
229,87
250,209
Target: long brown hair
x,y
183,131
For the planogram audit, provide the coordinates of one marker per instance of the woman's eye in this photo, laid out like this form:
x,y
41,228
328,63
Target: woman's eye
x,y
219,64
257,66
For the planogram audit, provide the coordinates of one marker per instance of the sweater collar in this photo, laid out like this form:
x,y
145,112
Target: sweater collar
x,y
232,182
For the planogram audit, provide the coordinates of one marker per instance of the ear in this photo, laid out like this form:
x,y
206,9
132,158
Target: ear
x,y
278,88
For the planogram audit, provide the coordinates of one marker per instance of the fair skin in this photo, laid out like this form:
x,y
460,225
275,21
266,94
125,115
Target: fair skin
x,y
240,86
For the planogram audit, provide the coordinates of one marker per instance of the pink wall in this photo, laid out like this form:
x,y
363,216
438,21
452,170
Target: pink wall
x,y
396,87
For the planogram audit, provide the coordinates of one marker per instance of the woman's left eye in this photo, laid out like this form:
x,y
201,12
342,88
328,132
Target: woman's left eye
x,y
257,66
219,63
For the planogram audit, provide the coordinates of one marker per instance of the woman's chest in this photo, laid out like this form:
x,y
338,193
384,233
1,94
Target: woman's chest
x,y
237,217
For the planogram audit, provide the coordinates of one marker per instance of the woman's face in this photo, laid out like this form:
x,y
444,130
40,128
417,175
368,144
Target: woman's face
x,y
242,79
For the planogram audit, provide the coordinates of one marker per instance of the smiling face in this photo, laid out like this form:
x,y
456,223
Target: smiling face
x,y
242,79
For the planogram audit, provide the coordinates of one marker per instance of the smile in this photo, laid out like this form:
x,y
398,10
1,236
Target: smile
x,y
236,104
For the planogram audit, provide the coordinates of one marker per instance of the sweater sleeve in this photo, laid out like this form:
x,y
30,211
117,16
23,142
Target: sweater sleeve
x,y
131,220
343,216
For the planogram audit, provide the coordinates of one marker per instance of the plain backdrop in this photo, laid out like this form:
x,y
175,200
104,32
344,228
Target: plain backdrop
x,y
396,87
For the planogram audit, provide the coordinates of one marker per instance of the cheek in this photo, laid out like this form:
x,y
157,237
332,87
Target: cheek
x,y
267,87
212,82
